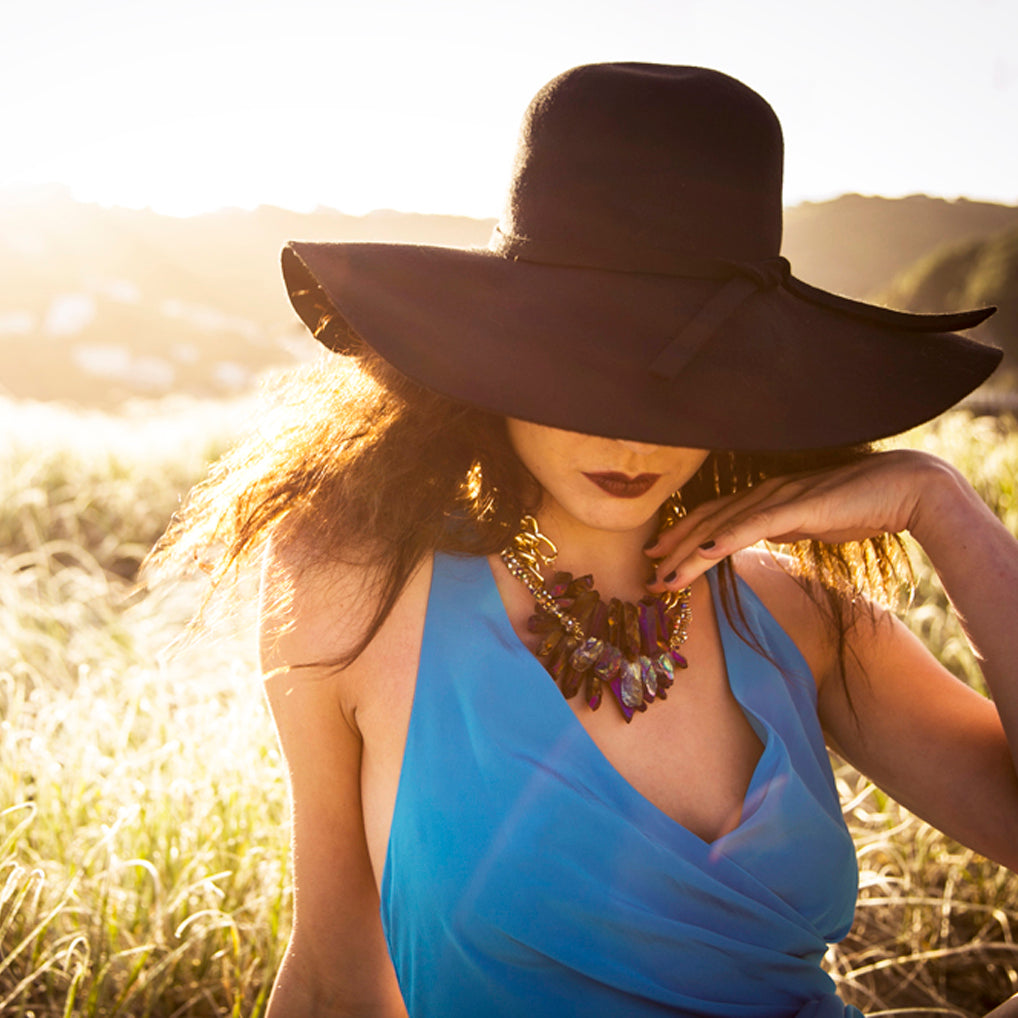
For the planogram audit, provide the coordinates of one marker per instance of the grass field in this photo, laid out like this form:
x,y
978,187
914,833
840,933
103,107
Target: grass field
x,y
143,844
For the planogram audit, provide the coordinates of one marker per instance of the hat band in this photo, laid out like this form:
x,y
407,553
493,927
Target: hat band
x,y
742,280
767,272
681,349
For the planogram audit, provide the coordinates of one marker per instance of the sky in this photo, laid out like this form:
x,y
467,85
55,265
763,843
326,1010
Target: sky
x,y
395,104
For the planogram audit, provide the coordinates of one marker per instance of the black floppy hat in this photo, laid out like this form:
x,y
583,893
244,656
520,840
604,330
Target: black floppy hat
x,y
633,287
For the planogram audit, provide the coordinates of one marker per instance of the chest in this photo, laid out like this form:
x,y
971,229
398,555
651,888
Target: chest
x,y
691,755
531,836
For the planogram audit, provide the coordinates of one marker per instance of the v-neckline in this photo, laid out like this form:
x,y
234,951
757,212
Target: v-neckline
x,y
556,703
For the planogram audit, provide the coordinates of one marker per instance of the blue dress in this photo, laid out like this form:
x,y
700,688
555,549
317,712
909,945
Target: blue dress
x,y
526,878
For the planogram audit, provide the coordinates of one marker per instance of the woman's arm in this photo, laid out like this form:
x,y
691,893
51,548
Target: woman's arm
x,y
977,561
336,963
941,749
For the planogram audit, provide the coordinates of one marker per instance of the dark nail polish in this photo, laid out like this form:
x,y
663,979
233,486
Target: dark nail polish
x,y
707,545
670,577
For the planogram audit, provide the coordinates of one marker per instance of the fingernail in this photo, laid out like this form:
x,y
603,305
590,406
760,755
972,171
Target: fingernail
x,y
707,545
671,576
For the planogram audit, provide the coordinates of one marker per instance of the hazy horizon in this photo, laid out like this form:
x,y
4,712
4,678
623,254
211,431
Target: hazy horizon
x,y
29,194
393,105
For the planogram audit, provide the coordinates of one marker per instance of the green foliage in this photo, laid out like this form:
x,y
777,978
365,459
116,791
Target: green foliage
x,y
854,244
969,274
143,846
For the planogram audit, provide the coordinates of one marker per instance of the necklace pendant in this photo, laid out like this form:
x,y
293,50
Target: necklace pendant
x,y
550,643
557,663
651,613
648,676
665,668
608,664
570,682
632,685
631,629
586,654
632,649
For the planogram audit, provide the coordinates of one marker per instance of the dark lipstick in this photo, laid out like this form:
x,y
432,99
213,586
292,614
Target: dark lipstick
x,y
622,485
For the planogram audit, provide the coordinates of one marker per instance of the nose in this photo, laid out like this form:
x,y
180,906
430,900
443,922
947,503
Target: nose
x,y
640,448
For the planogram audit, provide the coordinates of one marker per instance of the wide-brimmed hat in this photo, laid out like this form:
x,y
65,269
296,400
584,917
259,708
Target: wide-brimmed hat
x,y
633,287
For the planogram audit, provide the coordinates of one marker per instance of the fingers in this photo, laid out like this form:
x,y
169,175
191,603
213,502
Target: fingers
x,y
709,515
832,506
716,529
722,533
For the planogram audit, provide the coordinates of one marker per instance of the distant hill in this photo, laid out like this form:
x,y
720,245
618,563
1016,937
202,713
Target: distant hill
x,y
102,305
855,245
972,273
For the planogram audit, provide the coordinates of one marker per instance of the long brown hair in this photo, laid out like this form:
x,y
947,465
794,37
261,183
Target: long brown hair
x,y
364,463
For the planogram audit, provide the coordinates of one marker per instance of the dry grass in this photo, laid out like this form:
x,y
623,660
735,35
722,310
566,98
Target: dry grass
x,y
142,810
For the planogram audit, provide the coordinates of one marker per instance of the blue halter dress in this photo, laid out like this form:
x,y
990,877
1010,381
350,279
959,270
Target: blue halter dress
x,y
526,878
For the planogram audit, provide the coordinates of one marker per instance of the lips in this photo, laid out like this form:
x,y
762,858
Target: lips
x,y
622,485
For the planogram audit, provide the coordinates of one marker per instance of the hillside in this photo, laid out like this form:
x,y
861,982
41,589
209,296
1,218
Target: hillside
x,y
100,305
855,245
968,274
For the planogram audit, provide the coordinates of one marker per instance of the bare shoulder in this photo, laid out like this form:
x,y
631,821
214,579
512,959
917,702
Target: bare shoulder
x,y
794,608
303,595
315,612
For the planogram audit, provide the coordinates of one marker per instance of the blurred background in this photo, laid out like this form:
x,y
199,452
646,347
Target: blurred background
x,y
155,158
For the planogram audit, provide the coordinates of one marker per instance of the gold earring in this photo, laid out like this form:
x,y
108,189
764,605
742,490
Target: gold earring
x,y
672,510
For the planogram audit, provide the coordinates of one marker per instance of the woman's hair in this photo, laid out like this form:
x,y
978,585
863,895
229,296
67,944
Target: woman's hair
x,y
365,465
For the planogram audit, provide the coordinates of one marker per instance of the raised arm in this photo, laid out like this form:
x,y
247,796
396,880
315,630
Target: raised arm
x,y
977,561
336,963
938,747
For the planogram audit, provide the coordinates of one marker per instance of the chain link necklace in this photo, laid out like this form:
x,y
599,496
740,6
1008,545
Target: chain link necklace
x,y
632,649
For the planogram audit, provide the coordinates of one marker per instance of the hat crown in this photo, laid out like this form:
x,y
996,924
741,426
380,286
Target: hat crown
x,y
634,157
634,288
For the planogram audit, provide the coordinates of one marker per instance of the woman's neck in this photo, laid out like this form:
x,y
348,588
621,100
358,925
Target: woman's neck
x,y
614,558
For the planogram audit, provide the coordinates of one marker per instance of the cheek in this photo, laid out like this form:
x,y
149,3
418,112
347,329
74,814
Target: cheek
x,y
692,462
544,451
553,478
682,466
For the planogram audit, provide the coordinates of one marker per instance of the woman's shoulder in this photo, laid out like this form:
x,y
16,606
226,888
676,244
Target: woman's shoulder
x,y
795,607
316,610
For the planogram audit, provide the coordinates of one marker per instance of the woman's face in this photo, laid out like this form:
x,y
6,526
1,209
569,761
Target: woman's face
x,y
604,483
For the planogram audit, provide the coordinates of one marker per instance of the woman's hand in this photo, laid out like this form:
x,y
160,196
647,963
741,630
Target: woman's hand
x,y
881,493
944,751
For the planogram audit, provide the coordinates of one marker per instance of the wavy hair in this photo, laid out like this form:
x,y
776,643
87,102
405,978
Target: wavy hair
x,y
368,466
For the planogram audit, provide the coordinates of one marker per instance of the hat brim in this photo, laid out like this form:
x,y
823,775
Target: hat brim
x,y
571,348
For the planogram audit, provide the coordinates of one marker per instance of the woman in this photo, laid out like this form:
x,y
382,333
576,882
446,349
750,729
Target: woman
x,y
629,384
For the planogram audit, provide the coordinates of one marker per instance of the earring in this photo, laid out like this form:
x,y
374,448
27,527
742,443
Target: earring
x,y
715,461
672,510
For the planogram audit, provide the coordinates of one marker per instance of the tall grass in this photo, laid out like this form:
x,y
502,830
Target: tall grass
x,y
142,814
143,846
936,925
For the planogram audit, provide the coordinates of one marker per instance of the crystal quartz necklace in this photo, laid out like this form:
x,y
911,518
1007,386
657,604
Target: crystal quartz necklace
x,y
632,649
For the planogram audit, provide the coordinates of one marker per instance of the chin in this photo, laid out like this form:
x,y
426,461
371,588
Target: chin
x,y
617,516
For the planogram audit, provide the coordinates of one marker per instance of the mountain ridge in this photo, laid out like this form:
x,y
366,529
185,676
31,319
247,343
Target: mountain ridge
x,y
101,305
